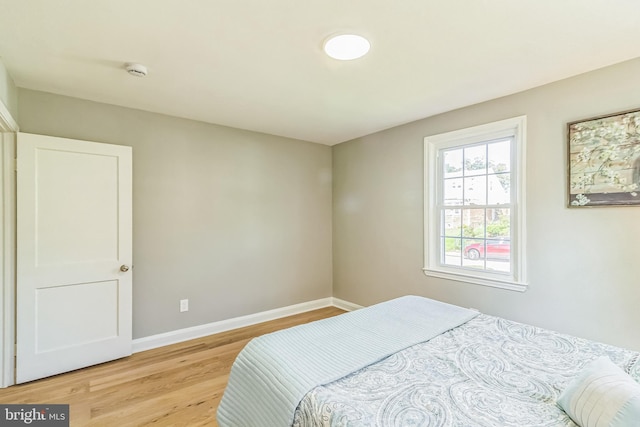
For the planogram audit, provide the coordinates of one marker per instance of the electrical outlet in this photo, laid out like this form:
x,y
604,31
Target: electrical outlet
x,y
184,305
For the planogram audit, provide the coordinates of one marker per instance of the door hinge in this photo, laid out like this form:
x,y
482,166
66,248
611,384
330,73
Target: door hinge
x,y
15,165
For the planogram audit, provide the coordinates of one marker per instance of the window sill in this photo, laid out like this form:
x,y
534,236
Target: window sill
x,y
467,278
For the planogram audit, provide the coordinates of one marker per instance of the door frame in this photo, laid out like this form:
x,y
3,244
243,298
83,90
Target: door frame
x,y
8,130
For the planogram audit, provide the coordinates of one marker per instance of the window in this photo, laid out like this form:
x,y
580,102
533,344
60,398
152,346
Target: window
x,y
474,205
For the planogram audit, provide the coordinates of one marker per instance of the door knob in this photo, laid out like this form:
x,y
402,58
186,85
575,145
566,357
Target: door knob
x,y
124,268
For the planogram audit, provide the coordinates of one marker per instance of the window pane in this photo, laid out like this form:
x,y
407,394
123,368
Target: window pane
x,y
499,265
451,222
498,189
452,163
451,249
499,156
475,160
475,190
498,223
489,255
498,255
452,192
473,223
498,248
473,253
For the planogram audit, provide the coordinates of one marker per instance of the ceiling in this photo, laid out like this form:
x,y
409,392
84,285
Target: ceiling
x,y
259,65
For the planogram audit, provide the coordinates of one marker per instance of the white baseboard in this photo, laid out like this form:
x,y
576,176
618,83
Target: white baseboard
x,y
345,305
173,337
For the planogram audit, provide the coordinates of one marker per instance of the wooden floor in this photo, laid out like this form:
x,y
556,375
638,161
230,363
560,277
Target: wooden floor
x,y
177,385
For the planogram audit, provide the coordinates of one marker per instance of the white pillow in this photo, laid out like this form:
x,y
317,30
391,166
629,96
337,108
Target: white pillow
x,y
602,395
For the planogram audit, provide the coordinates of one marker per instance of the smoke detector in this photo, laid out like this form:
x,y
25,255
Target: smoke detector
x,y
137,70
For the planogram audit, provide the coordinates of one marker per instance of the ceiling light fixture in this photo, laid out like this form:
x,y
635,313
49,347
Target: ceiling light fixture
x,y
346,47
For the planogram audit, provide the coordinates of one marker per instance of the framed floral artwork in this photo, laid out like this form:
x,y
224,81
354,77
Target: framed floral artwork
x,y
604,160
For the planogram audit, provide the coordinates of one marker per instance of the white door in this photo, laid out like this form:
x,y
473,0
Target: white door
x,y
74,244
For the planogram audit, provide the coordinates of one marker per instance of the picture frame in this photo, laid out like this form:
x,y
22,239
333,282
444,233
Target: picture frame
x,y
604,160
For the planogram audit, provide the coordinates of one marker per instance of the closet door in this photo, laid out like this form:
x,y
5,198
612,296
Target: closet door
x,y
74,254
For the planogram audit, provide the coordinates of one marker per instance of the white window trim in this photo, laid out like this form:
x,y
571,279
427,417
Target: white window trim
x,y
517,280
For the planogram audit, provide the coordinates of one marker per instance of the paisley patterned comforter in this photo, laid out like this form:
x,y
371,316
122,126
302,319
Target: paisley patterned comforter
x,y
486,372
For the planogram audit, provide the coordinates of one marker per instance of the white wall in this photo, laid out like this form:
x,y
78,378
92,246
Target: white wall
x,y
583,263
237,222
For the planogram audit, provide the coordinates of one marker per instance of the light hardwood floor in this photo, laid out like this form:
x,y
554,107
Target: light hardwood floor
x,y
176,385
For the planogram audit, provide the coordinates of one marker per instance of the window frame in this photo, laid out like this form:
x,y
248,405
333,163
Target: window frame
x,y
514,127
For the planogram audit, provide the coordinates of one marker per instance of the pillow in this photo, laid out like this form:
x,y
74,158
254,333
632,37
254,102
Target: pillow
x,y
602,395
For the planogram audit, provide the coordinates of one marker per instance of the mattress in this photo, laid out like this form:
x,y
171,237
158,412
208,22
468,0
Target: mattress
x,y
486,372
275,371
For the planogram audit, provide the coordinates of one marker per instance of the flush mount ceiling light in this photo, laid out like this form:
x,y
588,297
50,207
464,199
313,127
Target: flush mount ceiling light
x,y
346,47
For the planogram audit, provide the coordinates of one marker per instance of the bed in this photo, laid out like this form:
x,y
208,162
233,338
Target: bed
x,y
414,361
